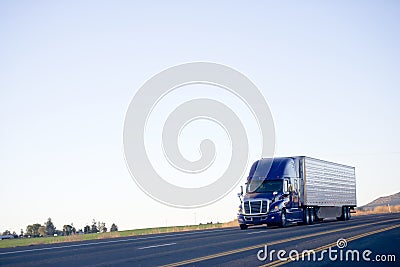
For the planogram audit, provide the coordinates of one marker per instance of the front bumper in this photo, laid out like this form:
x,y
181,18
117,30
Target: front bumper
x,y
268,218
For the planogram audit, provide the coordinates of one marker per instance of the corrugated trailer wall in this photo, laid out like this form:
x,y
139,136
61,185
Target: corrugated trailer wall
x,y
329,184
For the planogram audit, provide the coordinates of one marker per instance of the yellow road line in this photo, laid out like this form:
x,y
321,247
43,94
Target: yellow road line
x,y
279,262
226,253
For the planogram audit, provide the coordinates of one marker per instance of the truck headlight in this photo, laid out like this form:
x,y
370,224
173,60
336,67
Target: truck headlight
x,y
275,208
240,209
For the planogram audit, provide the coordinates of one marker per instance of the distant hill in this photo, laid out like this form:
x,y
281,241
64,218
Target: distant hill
x,y
392,200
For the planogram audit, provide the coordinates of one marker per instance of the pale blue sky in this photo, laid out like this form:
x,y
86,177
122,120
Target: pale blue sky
x,y
69,69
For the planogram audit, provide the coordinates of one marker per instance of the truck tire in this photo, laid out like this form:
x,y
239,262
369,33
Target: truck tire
x,y
243,227
312,216
306,216
345,214
283,219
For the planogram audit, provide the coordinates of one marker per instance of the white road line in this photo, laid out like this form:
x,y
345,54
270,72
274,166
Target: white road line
x,y
67,246
156,246
114,241
181,234
257,232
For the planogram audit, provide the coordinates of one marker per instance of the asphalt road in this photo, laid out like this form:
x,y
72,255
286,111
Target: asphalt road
x,y
379,234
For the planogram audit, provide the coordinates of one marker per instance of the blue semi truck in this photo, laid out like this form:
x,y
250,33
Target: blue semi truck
x,y
296,190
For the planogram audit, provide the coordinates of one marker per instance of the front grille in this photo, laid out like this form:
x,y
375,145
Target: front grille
x,y
255,206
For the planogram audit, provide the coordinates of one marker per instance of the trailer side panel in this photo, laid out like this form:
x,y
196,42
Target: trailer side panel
x,y
329,184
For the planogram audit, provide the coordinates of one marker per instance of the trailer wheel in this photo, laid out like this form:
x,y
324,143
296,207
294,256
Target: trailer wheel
x,y
312,216
283,219
243,227
344,212
306,216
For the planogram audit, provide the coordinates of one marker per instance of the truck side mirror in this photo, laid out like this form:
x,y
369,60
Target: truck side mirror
x,y
286,187
241,190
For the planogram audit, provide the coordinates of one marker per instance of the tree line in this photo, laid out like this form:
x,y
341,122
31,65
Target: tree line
x,y
48,229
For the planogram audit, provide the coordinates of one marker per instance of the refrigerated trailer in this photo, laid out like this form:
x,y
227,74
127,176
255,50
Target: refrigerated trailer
x,y
289,190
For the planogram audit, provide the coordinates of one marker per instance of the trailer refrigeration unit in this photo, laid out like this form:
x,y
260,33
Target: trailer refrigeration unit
x,y
282,191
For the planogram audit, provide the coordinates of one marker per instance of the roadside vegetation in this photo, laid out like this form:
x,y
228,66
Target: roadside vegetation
x,y
82,236
377,210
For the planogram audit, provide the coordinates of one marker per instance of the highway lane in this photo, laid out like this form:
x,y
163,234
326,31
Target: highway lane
x,y
226,247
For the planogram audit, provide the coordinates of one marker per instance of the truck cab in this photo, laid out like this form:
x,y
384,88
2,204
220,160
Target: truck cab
x,y
272,194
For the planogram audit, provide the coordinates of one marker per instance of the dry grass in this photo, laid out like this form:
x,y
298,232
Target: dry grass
x,y
233,223
378,210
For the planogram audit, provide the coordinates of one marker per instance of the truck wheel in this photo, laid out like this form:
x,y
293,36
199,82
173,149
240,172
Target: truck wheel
x,y
312,216
283,219
243,227
306,217
344,212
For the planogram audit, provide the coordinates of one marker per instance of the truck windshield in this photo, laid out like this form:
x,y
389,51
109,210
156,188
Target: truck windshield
x,y
266,186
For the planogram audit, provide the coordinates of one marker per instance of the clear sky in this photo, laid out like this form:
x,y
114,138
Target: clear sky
x,y
69,69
